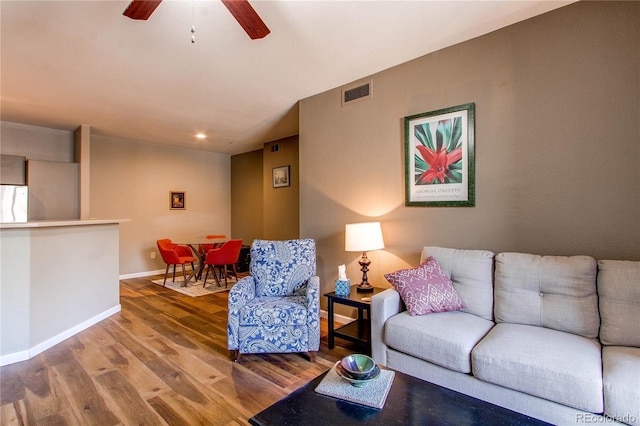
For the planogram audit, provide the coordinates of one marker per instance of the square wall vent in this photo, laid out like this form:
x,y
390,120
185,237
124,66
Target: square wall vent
x,y
356,93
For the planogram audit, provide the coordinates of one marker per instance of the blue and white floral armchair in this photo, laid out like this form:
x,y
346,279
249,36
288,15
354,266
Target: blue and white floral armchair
x,y
277,308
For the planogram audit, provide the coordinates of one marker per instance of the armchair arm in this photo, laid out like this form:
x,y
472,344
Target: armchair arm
x,y
313,312
240,294
383,306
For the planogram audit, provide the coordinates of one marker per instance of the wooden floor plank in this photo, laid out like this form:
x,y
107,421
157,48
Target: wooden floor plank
x,y
177,379
168,414
141,378
134,345
175,410
11,385
16,413
175,336
92,358
132,408
57,419
85,398
45,398
204,371
162,360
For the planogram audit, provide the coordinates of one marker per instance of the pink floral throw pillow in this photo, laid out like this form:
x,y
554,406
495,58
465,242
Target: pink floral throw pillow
x,y
426,289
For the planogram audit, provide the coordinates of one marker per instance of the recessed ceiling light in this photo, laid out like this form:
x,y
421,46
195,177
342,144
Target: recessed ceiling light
x,y
201,136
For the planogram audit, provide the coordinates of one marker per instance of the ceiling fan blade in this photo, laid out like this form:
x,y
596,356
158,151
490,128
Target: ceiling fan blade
x,y
247,18
141,9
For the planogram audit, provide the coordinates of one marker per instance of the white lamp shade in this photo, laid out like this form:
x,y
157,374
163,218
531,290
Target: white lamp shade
x,y
363,236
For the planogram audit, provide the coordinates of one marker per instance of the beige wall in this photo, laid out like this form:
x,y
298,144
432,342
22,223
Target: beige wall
x,y
259,210
281,205
247,196
557,146
132,180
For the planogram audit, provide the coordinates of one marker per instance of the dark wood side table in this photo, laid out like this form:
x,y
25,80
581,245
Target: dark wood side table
x,y
358,331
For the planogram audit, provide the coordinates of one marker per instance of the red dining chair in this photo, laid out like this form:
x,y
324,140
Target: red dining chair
x,y
226,255
174,254
204,248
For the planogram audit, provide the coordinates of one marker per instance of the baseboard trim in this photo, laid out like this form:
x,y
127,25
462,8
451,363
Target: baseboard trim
x,y
41,347
141,274
14,357
148,273
336,317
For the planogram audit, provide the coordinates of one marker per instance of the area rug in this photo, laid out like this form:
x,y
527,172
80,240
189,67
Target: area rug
x,y
195,289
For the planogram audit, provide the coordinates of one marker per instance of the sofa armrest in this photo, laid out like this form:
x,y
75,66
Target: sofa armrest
x,y
313,312
312,294
240,294
383,306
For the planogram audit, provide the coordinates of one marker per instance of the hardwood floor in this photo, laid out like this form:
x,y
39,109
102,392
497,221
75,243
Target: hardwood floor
x,y
162,360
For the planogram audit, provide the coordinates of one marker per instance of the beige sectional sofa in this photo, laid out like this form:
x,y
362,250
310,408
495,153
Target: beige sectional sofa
x,y
556,338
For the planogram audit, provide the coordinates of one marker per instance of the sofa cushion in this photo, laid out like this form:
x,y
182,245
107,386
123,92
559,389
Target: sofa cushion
x,y
546,363
425,289
621,371
556,292
280,311
445,338
619,290
472,274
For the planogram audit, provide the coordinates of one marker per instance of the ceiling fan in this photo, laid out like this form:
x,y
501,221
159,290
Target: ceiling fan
x,y
240,9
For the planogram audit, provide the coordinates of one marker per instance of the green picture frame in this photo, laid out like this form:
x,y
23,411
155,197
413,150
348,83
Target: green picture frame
x,y
440,157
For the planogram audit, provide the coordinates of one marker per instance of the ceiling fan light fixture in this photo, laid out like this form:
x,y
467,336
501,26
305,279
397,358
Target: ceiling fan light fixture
x,y
241,10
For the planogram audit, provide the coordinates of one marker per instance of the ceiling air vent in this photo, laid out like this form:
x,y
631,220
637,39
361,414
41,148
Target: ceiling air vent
x,y
358,93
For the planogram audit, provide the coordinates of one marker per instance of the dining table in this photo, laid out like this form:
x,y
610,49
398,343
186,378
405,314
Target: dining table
x,y
196,245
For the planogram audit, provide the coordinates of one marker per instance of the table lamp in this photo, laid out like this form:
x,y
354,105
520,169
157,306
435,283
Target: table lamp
x,y
363,237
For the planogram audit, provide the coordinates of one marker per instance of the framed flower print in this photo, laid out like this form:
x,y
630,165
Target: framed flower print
x,y
440,157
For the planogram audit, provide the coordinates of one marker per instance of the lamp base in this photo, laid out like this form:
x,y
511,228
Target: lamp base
x,y
364,288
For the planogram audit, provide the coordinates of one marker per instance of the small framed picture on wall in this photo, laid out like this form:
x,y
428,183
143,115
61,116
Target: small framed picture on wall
x,y
177,200
281,177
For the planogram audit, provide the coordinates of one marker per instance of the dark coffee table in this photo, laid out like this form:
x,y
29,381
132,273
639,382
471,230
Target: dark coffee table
x,y
411,401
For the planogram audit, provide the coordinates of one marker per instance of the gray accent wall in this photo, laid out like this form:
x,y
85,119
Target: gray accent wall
x,y
53,190
36,143
557,146
13,170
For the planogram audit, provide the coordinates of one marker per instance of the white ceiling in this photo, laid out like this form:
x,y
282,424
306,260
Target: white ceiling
x,y
66,63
